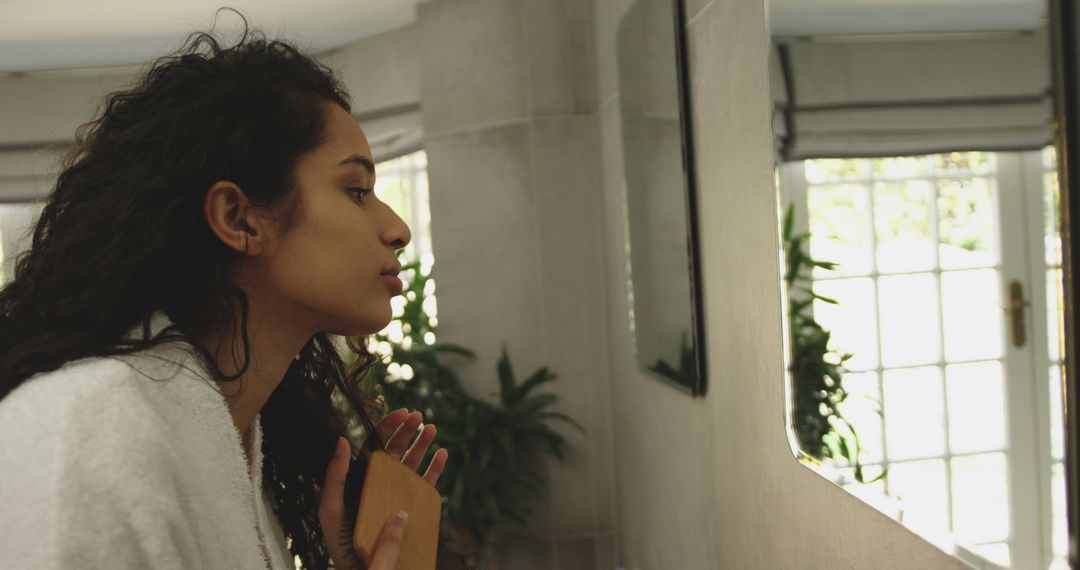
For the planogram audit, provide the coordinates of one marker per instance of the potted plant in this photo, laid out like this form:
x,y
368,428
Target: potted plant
x,y
491,441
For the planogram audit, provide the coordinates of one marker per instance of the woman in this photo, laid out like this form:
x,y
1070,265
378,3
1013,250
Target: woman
x,y
166,368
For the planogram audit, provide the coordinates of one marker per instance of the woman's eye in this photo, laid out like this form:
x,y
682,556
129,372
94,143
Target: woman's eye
x,y
360,193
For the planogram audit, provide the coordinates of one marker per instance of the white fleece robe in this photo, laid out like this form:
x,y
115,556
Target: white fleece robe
x,y
131,462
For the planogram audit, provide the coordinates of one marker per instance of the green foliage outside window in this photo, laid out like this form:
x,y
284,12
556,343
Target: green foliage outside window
x,y
817,391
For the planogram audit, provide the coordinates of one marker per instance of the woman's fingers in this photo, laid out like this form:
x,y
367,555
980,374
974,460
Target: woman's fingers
x,y
388,545
435,468
419,448
399,442
332,507
397,430
390,423
332,500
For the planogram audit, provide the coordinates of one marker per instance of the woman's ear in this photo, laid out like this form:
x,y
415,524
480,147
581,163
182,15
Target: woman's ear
x,y
233,219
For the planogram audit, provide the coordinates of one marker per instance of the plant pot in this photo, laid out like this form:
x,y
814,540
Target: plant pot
x,y
460,550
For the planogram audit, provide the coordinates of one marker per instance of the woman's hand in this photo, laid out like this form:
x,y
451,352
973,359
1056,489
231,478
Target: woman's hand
x,y
338,531
396,429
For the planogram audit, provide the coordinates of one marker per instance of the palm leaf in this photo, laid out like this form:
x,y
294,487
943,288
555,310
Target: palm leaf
x,y
535,379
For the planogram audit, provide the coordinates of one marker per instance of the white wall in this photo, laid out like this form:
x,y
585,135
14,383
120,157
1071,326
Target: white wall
x,y
38,118
711,483
508,102
381,71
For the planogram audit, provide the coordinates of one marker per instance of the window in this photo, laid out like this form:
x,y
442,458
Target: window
x,y
928,248
17,220
402,183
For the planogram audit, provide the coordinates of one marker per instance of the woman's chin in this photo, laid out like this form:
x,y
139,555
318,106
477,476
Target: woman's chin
x,y
360,320
363,327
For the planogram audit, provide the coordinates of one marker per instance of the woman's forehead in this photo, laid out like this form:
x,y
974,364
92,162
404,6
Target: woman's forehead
x,y
346,130
344,144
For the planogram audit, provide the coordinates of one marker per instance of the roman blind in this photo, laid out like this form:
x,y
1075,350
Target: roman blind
x,y
893,95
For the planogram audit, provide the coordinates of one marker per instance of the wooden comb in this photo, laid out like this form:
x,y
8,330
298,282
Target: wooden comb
x,y
389,487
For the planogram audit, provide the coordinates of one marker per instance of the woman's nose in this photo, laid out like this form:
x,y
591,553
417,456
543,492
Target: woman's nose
x,y
396,232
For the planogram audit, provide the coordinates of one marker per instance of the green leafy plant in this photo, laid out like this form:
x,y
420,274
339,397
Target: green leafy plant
x,y
490,478
816,371
492,442
411,372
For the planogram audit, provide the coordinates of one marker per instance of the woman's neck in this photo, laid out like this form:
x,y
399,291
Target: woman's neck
x,y
273,341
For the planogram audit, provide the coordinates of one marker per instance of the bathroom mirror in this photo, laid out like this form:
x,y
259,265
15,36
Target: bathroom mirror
x,y
654,107
917,171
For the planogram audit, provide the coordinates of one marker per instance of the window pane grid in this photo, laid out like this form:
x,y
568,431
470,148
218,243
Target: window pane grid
x,y
931,178
944,455
939,363
932,271
957,175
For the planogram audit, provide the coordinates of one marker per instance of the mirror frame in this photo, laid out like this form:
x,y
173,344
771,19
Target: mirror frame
x,y
690,186
1065,51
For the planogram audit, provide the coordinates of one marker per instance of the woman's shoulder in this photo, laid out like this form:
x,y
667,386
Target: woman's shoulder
x,y
94,445
84,381
74,381
51,399
95,396
113,380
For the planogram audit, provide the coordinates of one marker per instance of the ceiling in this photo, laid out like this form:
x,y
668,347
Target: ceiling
x,y
63,34
844,17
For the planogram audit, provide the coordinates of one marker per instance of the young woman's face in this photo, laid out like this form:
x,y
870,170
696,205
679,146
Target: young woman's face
x,y
330,269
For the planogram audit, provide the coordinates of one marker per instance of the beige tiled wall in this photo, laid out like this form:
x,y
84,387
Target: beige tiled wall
x,y
508,93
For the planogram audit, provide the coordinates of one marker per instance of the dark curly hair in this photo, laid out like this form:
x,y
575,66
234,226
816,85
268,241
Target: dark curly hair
x,y
123,235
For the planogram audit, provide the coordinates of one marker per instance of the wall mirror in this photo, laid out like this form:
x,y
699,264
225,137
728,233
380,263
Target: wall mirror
x,y
916,168
660,217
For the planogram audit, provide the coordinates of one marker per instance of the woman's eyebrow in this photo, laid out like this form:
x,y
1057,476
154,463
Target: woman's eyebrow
x,y
361,160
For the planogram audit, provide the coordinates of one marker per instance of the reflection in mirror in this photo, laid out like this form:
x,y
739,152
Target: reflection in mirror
x,y
659,217
922,239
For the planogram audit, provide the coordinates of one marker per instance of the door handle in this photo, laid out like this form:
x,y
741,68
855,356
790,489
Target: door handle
x,y
1016,313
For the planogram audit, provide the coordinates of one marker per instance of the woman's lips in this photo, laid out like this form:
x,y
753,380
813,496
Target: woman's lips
x,y
394,283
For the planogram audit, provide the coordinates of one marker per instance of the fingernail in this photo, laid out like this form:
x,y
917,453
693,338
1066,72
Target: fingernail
x,y
342,447
404,516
